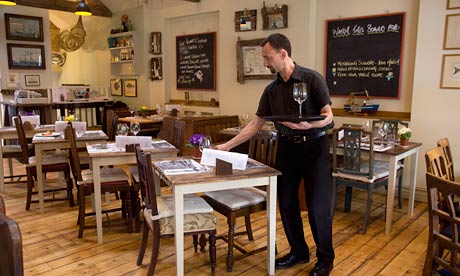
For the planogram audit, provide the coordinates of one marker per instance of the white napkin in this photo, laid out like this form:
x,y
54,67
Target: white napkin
x,y
33,119
238,160
144,141
80,127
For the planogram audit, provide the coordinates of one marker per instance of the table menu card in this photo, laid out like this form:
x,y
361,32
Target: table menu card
x,y
238,160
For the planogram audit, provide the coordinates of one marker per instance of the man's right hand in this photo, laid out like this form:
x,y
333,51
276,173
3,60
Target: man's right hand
x,y
222,147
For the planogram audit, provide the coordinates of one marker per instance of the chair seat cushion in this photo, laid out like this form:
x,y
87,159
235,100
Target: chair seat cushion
x,y
238,198
107,175
192,222
49,159
380,171
14,148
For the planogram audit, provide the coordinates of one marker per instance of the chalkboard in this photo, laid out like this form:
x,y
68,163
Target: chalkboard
x,y
196,61
364,53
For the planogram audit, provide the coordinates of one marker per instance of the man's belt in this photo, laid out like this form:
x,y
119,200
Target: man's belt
x,y
301,138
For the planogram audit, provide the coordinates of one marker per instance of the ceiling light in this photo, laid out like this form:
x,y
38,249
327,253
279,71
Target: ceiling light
x,y
83,9
8,3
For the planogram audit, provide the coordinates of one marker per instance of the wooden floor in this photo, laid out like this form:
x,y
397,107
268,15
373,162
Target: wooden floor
x,y
51,246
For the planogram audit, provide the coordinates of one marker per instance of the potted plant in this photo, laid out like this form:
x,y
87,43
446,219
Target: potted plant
x,y
404,134
194,141
143,111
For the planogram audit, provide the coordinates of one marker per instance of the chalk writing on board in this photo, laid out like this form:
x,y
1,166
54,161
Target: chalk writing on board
x,y
195,63
365,53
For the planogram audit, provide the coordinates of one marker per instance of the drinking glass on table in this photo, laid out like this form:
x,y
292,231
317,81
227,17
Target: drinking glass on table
x,y
205,143
122,129
135,127
300,93
131,110
382,132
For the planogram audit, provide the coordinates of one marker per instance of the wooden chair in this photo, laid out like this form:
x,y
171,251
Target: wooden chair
x,y
393,126
2,205
445,146
358,168
243,202
113,180
158,215
444,225
56,162
11,261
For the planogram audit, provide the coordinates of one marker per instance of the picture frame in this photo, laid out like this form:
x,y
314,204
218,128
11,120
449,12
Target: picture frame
x,y
22,56
452,32
274,17
250,63
116,88
23,27
155,43
130,87
453,4
156,68
245,20
32,80
450,71
12,80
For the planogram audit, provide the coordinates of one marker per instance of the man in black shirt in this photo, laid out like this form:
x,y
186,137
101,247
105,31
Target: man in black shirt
x,y
303,152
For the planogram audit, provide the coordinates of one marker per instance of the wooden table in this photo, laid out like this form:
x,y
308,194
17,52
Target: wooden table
x,y
8,133
393,156
183,184
142,120
42,145
99,159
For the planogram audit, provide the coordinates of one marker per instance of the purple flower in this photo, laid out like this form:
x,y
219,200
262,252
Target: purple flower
x,y
194,140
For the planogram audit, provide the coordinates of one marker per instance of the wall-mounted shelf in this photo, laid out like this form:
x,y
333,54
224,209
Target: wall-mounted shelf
x,y
123,48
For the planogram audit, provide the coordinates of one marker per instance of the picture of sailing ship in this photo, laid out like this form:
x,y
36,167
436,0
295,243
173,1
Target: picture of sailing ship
x,y
22,56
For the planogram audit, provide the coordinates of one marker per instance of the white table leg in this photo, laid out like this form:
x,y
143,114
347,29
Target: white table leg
x,y
97,198
40,179
271,223
412,181
390,193
179,229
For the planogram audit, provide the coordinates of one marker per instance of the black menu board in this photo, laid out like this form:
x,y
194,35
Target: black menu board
x,y
364,53
196,61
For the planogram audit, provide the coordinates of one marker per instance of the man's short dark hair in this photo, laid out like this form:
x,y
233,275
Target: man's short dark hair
x,y
278,41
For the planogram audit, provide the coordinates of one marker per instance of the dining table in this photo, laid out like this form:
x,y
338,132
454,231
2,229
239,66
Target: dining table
x,y
10,133
105,154
154,119
204,181
46,141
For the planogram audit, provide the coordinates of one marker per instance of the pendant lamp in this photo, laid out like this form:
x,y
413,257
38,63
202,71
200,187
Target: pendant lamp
x,y
83,9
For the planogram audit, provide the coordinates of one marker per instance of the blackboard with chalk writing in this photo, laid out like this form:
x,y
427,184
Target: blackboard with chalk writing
x,y
364,53
196,61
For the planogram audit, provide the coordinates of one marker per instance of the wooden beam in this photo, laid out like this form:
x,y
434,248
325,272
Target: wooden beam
x,y
96,6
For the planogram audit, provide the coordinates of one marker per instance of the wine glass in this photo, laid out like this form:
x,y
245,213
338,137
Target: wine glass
x,y
382,131
300,94
122,129
131,110
159,110
205,143
135,127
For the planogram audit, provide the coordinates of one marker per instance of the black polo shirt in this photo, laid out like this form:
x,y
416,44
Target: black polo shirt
x,y
277,99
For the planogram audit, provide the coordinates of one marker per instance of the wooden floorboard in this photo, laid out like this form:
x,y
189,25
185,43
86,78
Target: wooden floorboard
x,y
51,246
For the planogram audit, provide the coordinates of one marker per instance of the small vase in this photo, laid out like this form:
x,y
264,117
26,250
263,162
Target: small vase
x,y
403,142
196,152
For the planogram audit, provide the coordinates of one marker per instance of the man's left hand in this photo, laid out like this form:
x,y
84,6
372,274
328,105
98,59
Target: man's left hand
x,y
301,125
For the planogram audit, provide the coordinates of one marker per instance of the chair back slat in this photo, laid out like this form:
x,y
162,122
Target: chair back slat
x,y
147,179
353,156
69,134
436,163
11,260
444,144
22,139
263,147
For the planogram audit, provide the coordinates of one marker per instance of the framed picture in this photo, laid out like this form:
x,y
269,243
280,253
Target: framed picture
x,y
21,56
130,87
452,32
245,20
32,80
453,4
22,27
249,61
156,68
12,80
274,17
155,42
115,87
450,71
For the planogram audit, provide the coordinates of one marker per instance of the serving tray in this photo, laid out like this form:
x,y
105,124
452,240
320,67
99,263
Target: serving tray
x,y
293,118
